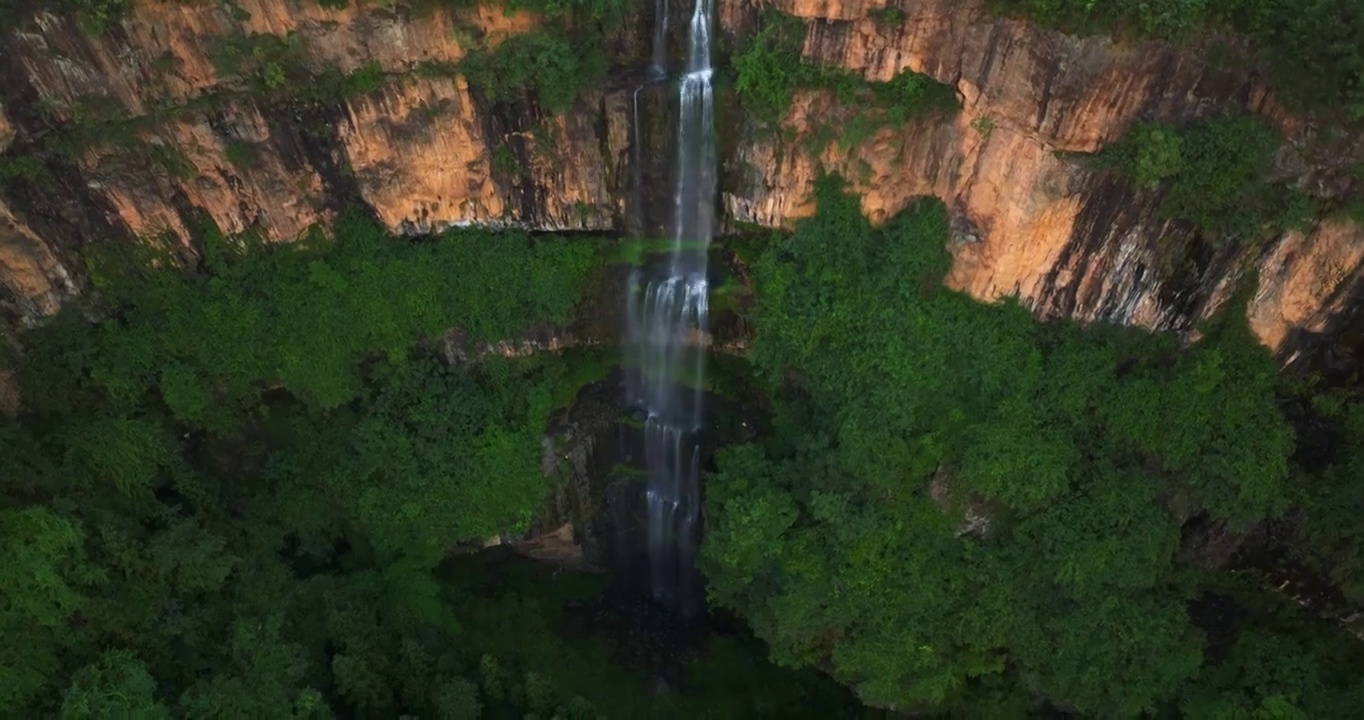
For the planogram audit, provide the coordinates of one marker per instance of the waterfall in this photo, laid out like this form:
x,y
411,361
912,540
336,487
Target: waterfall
x,y
667,314
658,69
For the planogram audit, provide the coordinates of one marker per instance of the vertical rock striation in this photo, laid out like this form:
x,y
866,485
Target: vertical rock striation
x,y
424,152
33,281
1030,220
179,137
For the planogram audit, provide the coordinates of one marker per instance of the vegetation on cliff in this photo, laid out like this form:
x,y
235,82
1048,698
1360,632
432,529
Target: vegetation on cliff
x,y
1216,174
556,62
1313,50
768,70
960,507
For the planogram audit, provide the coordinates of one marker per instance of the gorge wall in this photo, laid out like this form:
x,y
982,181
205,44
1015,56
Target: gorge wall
x,y
426,150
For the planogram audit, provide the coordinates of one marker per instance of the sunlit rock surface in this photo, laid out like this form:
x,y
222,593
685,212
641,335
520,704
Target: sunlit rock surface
x,y
424,152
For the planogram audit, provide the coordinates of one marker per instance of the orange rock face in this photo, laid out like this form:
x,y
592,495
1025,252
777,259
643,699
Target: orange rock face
x,y
1064,239
427,152
421,152
424,159
169,52
1303,279
35,281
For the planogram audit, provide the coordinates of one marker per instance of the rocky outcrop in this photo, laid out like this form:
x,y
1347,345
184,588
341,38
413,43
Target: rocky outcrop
x,y
177,138
33,283
1030,220
425,151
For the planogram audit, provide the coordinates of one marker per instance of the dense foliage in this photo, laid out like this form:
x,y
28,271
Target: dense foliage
x,y
302,316
556,62
1314,49
557,627
960,506
234,496
1215,174
227,499
546,63
1326,535
769,70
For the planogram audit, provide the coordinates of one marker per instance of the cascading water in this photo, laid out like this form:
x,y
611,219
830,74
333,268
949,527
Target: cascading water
x,y
668,318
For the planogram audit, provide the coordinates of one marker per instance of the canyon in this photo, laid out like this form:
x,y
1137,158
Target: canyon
x,y
1031,219
688,345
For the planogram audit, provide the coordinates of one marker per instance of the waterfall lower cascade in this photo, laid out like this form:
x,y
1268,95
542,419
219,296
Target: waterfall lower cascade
x,y
668,319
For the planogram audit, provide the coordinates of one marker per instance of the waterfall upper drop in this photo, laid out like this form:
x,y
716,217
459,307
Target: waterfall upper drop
x,y
668,319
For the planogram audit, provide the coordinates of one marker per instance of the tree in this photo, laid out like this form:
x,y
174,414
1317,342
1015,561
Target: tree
x,y
117,686
955,493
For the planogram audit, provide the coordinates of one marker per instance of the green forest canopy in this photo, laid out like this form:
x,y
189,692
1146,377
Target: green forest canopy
x,y
232,496
962,507
241,445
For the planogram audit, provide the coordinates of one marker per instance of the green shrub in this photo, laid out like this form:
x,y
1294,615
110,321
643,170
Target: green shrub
x,y
1158,155
1171,19
268,62
23,168
365,79
504,162
983,124
242,154
272,74
172,160
556,62
606,12
1213,174
910,94
94,16
547,63
332,86
769,70
889,15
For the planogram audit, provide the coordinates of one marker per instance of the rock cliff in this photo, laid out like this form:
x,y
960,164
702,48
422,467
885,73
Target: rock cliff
x,y
426,150
176,136
1031,221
